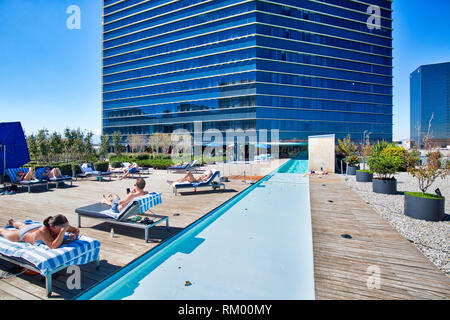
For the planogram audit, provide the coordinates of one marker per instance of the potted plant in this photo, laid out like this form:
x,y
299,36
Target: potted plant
x,y
385,166
366,150
352,161
422,205
348,150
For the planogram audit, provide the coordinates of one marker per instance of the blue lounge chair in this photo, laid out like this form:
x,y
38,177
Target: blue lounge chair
x,y
139,205
180,168
12,173
45,261
57,181
88,171
195,185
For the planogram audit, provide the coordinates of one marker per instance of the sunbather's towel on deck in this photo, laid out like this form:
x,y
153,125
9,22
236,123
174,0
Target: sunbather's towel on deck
x,y
81,251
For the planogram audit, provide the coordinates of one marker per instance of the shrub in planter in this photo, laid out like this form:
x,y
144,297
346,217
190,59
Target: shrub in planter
x,y
385,166
352,161
364,176
399,152
101,166
422,205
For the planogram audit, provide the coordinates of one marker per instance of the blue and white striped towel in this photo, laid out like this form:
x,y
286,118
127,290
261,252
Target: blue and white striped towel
x,y
145,202
81,251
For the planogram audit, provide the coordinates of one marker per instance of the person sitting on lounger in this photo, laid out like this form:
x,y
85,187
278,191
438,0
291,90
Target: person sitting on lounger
x,y
26,176
117,204
52,173
51,232
189,177
313,173
132,168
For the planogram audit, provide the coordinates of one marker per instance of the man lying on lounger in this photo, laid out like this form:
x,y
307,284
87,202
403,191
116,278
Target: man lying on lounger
x,y
117,204
51,232
189,177
26,176
132,168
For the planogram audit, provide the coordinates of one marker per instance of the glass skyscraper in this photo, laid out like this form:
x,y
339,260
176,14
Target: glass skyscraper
x,y
430,100
305,67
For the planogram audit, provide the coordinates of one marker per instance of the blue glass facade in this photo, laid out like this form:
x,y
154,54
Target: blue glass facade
x,y
430,96
305,67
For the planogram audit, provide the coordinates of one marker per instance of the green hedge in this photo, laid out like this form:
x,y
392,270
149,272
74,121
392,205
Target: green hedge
x,y
101,166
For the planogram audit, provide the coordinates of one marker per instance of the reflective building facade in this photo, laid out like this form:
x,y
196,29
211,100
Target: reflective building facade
x,y
430,96
305,67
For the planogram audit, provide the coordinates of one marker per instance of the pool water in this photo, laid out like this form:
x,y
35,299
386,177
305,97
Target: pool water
x,y
258,245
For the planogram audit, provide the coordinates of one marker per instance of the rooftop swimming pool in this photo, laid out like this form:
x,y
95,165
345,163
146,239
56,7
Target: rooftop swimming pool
x,y
257,245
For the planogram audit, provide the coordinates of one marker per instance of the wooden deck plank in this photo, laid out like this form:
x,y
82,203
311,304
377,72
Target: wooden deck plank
x,y
341,265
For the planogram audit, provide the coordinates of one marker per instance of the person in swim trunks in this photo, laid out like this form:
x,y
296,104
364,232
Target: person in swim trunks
x,y
132,168
117,204
51,232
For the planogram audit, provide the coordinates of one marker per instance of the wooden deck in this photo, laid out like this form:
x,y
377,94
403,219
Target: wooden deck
x,y
342,267
340,264
128,243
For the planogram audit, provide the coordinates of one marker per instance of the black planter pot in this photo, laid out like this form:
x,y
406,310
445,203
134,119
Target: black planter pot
x,y
425,209
362,176
388,186
351,171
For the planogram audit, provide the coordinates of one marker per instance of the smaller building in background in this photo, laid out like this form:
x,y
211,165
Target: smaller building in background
x,y
430,100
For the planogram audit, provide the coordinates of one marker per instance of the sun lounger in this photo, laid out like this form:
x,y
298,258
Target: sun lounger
x,y
137,206
12,173
41,259
88,171
210,183
57,181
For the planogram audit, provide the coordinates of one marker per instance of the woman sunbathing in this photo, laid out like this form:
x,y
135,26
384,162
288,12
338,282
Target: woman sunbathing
x,y
312,173
51,232
189,177
52,173
26,176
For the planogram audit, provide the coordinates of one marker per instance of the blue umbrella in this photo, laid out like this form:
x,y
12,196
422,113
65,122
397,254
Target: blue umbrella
x,y
13,146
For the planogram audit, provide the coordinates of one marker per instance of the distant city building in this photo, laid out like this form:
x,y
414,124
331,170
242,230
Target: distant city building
x,y
301,66
430,96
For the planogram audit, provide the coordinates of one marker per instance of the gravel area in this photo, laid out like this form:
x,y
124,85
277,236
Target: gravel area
x,y
431,238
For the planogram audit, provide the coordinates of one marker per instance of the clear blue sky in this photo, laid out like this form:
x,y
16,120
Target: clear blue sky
x,y
50,75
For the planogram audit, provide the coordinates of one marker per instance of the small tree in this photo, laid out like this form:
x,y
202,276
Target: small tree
x,y
42,144
104,146
428,171
136,142
117,139
365,150
346,146
32,147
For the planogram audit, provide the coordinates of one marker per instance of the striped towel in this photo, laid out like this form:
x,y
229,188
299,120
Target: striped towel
x,y
145,202
81,251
